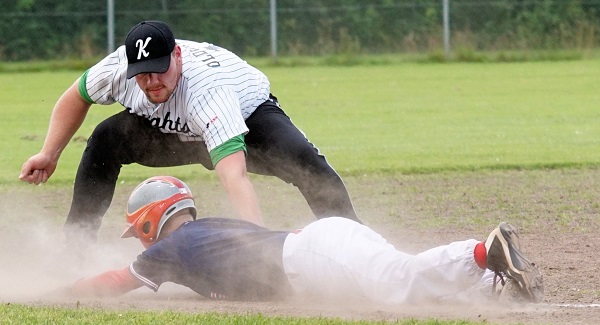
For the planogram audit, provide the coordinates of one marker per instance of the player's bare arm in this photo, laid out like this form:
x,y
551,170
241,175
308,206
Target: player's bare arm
x,y
68,115
234,177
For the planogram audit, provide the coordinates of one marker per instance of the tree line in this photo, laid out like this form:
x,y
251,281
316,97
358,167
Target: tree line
x,y
52,29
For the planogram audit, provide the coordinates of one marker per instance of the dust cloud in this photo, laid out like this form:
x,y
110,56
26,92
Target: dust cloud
x,y
35,262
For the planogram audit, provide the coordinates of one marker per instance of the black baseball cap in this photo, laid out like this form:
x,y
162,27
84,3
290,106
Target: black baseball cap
x,y
148,46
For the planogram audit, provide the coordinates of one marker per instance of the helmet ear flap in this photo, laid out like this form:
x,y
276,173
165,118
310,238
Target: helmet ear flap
x,y
146,227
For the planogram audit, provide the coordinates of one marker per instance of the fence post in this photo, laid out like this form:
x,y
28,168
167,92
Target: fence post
x,y
110,26
273,12
446,22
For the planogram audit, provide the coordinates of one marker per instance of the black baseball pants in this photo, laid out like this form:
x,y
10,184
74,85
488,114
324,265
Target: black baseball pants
x,y
275,148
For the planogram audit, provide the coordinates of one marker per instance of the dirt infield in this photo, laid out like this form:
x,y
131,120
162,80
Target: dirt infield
x,y
557,212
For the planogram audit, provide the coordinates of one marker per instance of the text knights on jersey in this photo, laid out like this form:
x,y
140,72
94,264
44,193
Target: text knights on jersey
x,y
167,124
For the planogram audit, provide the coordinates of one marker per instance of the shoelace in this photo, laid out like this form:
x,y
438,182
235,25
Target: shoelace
x,y
502,280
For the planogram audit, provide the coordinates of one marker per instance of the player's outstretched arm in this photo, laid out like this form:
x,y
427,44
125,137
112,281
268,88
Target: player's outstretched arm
x,y
68,115
108,284
234,177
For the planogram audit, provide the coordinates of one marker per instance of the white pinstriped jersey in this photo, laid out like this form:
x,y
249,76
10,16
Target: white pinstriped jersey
x,y
217,91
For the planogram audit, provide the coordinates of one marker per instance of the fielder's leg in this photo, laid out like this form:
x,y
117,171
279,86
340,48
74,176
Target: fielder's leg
x,y
276,147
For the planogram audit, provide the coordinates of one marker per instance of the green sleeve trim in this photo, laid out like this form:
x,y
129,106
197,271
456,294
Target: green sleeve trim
x,y
83,89
228,147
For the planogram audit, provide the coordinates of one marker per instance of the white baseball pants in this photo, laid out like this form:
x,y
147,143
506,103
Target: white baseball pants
x,y
338,259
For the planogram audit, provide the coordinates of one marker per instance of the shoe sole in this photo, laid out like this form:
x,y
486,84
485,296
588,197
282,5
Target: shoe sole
x,y
518,267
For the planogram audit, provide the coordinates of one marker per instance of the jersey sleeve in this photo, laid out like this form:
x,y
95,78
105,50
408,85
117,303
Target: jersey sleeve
x,y
216,115
227,148
83,88
100,83
156,265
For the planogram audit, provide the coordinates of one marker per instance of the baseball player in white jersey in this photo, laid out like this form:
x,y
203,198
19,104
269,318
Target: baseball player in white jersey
x,y
332,259
185,103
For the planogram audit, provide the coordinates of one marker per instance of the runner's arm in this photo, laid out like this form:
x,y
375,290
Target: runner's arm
x,y
108,284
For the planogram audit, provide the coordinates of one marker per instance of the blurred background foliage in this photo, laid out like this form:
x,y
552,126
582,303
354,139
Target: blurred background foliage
x,y
77,29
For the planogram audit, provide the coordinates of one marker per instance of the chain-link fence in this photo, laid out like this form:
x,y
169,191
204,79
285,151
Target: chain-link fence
x,y
37,29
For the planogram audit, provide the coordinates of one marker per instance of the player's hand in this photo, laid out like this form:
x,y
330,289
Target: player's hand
x,y
37,169
61,292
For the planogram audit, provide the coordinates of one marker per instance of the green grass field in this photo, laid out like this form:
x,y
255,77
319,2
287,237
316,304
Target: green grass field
x,y
408,118
381,119
15,314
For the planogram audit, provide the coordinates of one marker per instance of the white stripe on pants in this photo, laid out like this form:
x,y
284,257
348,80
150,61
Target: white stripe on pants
x,y
337,258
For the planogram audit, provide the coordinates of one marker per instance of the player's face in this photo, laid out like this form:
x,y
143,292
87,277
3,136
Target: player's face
x,y
158,87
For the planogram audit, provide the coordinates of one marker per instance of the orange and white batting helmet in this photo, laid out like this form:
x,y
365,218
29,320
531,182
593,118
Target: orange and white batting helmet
x,y
152,203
